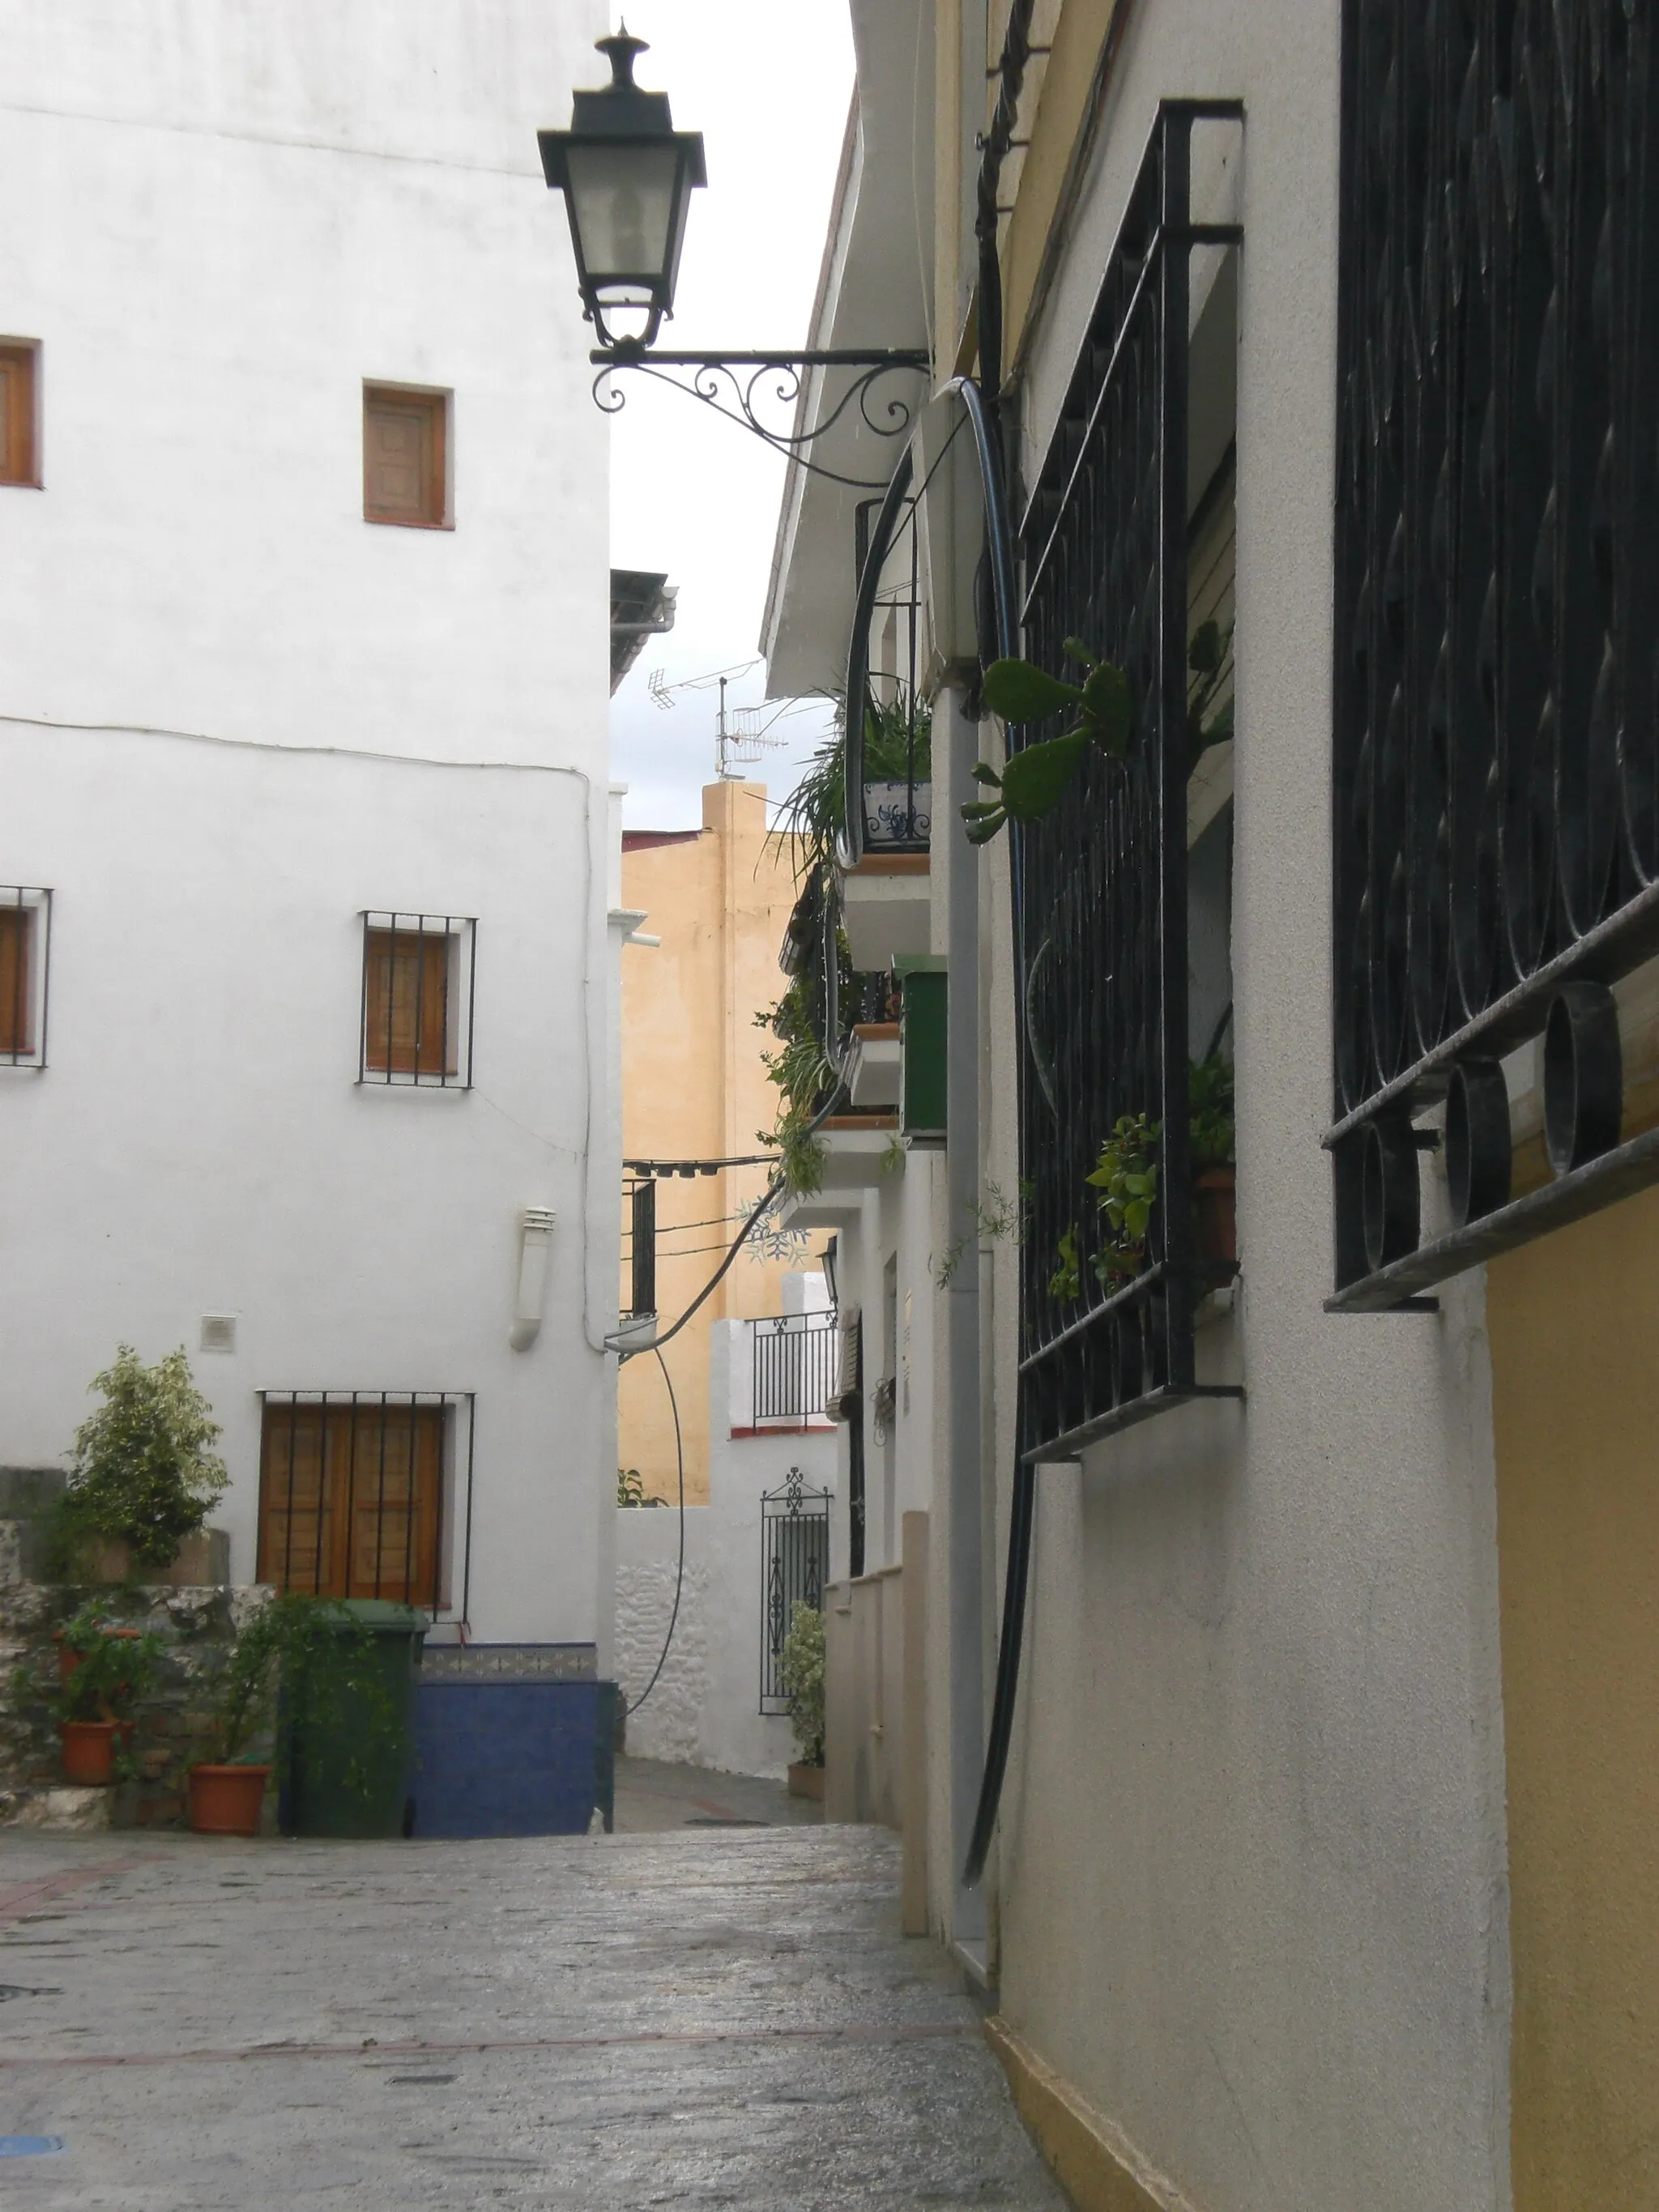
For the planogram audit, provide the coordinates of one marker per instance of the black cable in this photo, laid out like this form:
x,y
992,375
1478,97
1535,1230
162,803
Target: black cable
x,y
1020,1515
679,1571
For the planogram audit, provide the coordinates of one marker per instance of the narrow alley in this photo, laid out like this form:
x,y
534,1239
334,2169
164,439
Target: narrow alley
x,y
704,2014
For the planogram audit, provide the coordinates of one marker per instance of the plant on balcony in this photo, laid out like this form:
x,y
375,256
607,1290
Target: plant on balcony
x,y
1126,1176
631,1490
1210,1102
142,1473
1033,781
801,1666
1210,658
815,812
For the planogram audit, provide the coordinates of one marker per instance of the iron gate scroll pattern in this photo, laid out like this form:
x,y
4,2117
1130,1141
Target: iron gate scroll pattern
x,y
1100,882
1496,795
794,1568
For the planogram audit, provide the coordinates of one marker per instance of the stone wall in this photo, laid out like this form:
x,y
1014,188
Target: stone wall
x,y
199,1626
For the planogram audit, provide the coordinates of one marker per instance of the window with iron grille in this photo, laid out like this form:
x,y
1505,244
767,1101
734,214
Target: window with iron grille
x,y
1104,996
418,972
1496,795
358,1492
25,930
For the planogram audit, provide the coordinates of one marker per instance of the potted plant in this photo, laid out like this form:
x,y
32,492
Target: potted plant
x,y
226,1790
306,1675
1215,1227
143,1477
1126,1176
113,1668
801,1665
898,771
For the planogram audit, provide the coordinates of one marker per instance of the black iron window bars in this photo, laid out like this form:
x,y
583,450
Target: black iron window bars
x,y
368,1494
794,1568
25,939
1496,795
415,1026
1100,883
795,1359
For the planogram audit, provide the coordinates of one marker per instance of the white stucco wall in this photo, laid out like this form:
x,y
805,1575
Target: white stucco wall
x,y
704,1711
233,715
1251,1873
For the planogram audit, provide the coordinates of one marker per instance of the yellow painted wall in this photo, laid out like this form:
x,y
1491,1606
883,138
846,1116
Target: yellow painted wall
x,y
1575,1348
694,1087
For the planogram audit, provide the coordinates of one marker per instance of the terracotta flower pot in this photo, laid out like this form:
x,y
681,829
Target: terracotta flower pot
x,y
226,1801
806,1781
89,1748
1216,1235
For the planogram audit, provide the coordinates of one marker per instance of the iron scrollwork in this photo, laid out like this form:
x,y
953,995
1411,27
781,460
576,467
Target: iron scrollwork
x,y
740,387
1496,792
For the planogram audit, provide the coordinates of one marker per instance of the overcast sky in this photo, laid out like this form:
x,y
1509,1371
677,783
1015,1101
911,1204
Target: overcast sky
x,y
768,82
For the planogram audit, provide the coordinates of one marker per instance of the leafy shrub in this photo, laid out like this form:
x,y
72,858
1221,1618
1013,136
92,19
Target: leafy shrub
x,y
801,1665
115,1671
324,1666
142,1474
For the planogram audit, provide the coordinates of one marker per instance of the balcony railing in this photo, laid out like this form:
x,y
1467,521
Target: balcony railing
x,y
889,724
795,1362
1496,805
1100,949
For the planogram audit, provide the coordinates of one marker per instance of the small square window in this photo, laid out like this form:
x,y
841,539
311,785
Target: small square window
x,y
19,429
417,1000
405,457
25,927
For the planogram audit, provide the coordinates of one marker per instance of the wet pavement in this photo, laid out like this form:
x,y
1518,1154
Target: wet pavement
x,y
686,2016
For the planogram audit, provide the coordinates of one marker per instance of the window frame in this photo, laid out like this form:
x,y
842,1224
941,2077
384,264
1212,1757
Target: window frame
x,y
439,403
459,933
35,900
26,475
452,1562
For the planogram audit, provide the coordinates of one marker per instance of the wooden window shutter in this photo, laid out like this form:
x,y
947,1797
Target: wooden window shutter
x,y
16,950
410,1029
17,403
404,459
351,1500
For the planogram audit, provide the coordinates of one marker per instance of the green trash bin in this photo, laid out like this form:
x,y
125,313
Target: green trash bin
x,y
338,1786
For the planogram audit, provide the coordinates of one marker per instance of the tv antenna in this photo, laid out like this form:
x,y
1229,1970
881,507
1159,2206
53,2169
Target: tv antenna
x,y
743,735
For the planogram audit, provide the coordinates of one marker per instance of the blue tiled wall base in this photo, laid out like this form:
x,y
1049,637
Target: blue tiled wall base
x,y
505,1758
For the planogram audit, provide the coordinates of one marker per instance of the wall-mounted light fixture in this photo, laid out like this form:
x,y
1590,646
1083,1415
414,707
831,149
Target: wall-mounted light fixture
x,y
627,176
535,1243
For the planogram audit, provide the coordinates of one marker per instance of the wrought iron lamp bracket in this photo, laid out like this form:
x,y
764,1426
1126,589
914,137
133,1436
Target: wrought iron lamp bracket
x,y
736,385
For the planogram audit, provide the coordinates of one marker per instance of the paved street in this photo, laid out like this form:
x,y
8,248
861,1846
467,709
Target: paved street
x,y
700,2016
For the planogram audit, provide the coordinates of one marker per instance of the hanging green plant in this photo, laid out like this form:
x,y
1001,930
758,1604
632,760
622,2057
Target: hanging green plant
x,y
1067,1281
1033,781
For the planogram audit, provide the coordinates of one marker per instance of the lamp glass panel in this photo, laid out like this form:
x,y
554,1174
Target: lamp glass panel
x,y
622,199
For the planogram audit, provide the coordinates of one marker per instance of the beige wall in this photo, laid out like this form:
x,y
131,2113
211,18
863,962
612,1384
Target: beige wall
x,y
1574,1320
694,1087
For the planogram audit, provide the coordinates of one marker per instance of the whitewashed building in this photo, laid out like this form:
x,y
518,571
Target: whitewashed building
x,y
305,848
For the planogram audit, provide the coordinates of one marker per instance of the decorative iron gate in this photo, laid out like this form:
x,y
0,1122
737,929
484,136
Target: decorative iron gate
x,y
1495,816
794,1568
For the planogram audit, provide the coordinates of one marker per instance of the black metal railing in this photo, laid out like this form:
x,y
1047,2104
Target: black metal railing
x,y
1496,797
795,1360
358,1495
794,1568
1106,1332
889,723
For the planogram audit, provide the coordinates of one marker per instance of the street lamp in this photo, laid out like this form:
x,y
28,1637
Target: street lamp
x,y
627,176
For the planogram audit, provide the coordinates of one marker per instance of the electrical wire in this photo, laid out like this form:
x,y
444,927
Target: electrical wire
x,y
680,1570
